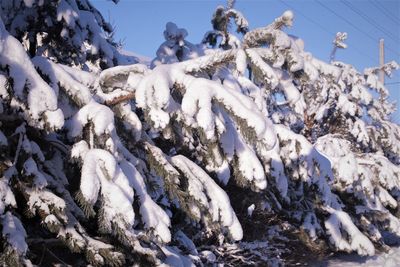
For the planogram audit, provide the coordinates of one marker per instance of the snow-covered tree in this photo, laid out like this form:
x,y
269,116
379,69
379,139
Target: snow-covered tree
x,y
71,32
162,164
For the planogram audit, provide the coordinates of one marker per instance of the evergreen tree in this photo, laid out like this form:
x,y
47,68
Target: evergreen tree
x,y
160,164
70,32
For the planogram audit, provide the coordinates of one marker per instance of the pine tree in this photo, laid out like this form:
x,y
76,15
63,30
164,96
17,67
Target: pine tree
x,y
165,163
71,32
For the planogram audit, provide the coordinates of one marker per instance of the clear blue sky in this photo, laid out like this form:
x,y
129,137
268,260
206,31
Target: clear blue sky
x,y
140,24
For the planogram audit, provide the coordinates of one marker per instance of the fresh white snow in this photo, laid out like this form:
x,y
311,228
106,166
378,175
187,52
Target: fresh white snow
x,y
389,259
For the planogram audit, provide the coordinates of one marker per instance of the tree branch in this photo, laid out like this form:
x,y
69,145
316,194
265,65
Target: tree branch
x,y
120,99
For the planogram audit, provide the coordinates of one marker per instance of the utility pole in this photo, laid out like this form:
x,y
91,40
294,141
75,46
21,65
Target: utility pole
x,y
381,60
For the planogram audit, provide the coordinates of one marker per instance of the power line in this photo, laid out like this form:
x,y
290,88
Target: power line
x,y
354,26
331,34
370,20
309,19
388,11
385,12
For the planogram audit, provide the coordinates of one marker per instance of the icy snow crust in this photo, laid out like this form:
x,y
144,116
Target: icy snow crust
x,y
217,126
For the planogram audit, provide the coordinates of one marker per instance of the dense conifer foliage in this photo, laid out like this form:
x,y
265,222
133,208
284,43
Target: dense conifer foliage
x,y
212,153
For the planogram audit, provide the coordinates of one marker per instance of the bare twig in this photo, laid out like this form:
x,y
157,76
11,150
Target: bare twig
x,y
120,99
57,258
20,139
60,146
42,257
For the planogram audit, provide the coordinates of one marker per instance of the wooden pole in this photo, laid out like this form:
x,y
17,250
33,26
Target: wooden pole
x,y
381,60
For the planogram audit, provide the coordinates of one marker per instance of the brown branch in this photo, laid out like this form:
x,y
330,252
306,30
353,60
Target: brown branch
x,y
120,99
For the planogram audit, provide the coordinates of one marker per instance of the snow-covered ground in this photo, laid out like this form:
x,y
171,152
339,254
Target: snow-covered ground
x,y
390,259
